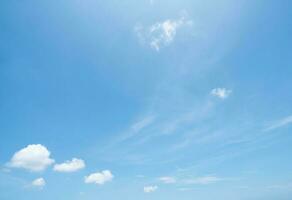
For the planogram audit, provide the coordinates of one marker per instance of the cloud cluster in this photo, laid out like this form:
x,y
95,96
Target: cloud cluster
x,y
99,178
34,157
70,166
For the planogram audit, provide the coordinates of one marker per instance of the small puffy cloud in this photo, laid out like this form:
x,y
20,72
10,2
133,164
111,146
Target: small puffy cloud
x,y
39,182
203,180
99,178
70,166
34,157
151,188
167,179
161,33
221,93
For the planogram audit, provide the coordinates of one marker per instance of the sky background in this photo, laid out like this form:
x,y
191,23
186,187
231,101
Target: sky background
x,y
156,99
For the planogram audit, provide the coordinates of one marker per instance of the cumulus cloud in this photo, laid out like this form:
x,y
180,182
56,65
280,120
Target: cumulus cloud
x,y
161,33
70,166
39,182
99,178
151,188
34,157
167,179
221,93
203,180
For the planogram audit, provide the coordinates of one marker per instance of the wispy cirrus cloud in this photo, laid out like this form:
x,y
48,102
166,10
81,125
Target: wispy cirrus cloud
x,y
287,186
183,189
279,123
137,127
205,180
167,179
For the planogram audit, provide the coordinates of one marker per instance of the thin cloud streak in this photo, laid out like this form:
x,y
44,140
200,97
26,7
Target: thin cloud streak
x,y
205,180
280,123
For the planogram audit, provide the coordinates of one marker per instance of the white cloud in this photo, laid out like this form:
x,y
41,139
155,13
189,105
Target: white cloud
x,y
282,122
185,189
167,179
148,189
70,166
34,157
99,178
161,33
138,126
39,182
140,176
287,186
203,180
221,93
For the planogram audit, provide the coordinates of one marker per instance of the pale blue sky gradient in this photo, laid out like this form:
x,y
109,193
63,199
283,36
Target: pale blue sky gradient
x,y
82,78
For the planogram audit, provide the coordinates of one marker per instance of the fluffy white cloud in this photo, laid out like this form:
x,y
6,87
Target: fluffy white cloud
x,y
161,33
167,179
70,166
34,157
221,93
203,180
151,188
99,177
39,182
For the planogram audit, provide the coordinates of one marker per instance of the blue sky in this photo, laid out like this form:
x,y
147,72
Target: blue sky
x,y
149,99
